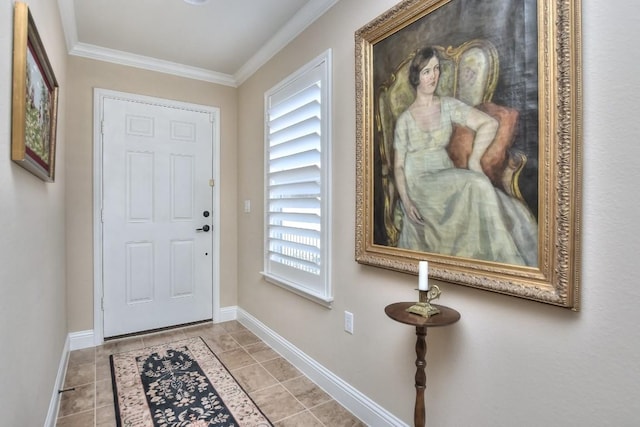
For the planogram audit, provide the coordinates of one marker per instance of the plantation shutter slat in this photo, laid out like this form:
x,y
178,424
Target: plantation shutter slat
x,y
295,161
309,127
307,142
305,173
284,104
279,230
301,202
298,220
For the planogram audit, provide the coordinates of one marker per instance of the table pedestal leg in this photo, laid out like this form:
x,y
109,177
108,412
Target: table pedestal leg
x,y
446,316
421,377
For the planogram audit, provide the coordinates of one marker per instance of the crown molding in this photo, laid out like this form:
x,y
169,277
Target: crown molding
x,y
301,20
151,64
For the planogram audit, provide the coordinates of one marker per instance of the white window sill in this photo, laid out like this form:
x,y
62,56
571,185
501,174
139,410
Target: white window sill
x,y
318,299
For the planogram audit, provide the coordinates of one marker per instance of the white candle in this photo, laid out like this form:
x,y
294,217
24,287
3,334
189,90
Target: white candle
x,y
423,276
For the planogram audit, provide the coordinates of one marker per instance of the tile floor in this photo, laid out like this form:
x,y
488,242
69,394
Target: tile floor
x,y
284,394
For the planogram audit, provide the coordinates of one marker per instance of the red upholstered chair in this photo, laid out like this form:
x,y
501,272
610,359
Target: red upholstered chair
x,y
468,72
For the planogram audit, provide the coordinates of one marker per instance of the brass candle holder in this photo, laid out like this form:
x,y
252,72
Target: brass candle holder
x,y
423,307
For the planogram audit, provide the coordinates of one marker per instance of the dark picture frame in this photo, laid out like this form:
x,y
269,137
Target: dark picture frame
x,y
35,99
526,56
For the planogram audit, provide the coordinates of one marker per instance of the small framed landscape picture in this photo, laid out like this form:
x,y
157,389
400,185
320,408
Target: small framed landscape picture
x,y
35,99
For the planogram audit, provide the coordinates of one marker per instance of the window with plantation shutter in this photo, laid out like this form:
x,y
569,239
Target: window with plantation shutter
x,y
296,182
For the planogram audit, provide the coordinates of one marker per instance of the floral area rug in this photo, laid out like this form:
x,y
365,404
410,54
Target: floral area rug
x,y
180,384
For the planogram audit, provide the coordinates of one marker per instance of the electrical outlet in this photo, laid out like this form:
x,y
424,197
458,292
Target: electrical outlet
x,y
348,322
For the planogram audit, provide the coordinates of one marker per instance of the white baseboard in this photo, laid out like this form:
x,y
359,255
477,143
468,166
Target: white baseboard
x,y
80,340
357,403
52,414
227,314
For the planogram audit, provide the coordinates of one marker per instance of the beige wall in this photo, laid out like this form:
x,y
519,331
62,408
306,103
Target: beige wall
x,y
508,362
33,324
84,76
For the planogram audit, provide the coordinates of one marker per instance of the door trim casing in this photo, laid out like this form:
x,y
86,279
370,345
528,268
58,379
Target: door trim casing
x,y
98,285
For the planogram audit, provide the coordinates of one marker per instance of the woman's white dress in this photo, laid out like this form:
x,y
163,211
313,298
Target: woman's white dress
x,y
464,214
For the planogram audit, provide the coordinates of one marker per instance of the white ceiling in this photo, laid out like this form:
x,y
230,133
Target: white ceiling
x,y
221,41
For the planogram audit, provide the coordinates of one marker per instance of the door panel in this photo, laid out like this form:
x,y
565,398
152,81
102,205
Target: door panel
x,y
139,272
157,259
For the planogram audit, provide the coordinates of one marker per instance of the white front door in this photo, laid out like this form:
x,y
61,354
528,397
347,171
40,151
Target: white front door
x,y
157,215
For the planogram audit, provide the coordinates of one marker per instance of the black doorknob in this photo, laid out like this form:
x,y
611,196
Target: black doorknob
x,y
205,214
204,228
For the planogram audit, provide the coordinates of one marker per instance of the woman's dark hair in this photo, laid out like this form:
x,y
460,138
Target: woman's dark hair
x,y
417,64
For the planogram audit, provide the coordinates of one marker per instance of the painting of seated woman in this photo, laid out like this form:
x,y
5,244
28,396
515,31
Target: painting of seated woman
x,y
449,176
468,145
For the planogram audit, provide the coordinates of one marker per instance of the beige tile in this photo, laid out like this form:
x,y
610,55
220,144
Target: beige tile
x,y
220,343
244,337
103,368
281,369
80,357
104,393
261,352
306,391
233,326
205,330
196,330
80,374
163,337
303,419
254,377
277,403
80,399
119,346
82,419
106,416
235,359
335,415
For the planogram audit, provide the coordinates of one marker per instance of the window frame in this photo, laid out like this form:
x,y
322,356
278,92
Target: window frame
x,y
294,280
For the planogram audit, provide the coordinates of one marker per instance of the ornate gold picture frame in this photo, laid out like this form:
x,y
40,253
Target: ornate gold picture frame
x,y
35,99
480,174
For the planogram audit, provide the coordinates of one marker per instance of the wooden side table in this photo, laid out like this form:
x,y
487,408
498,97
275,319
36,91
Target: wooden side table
x,y
447,316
